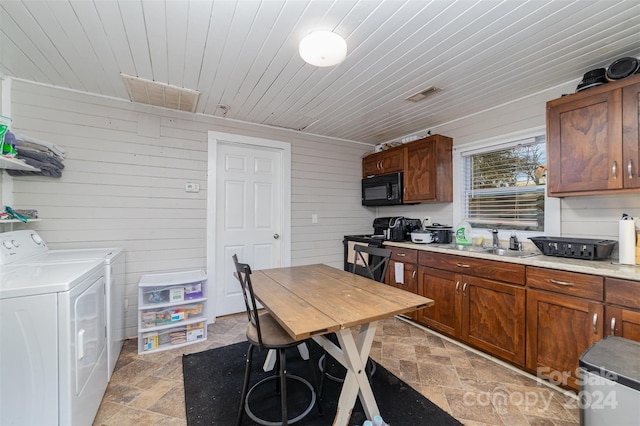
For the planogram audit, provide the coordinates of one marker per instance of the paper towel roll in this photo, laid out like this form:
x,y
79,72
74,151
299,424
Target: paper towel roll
x,y
627,242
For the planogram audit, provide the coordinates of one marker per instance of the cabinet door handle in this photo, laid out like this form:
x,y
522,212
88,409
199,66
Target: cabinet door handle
x,y
462,265
630,168
614,169
564,283
595,323
413,276
613,326
464,290
401,254
457,287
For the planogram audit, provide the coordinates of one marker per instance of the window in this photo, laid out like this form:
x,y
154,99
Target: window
x,y
504,187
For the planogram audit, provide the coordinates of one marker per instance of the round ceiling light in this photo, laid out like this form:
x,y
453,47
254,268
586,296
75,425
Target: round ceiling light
x,y
323,49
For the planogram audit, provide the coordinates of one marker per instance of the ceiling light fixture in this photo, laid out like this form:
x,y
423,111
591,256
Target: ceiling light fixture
x,y
421,95
323,48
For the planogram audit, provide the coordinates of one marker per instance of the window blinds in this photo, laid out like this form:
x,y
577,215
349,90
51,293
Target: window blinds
x,y
505,188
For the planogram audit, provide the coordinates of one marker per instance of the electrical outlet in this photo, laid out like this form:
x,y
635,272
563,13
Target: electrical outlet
x,y
314,218
426,221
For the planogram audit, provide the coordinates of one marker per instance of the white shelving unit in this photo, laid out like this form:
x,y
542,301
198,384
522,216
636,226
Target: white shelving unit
x,y
172,310
16,164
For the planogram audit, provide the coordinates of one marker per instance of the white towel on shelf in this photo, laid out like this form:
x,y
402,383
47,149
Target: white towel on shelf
x,y
43,145
399,272
351,254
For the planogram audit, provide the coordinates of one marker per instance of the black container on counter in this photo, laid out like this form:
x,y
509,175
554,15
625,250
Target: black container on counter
x,y
442,234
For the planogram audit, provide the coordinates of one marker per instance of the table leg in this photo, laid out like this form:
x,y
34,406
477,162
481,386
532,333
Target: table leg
x,y
353,356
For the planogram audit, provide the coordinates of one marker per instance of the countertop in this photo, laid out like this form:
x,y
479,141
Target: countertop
x,y
606,268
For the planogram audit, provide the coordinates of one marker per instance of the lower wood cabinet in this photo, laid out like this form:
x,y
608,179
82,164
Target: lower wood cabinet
x,y
622,310
561,327
408,280
482,312
442,287
543,326
493,318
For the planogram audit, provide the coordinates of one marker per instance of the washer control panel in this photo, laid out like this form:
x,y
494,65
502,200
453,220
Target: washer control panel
x,y
16,246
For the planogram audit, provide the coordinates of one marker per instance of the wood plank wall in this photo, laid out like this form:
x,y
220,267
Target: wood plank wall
x,y
124,183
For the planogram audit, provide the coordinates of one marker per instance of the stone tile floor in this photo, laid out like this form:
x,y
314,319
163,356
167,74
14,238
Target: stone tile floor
x,y
148,389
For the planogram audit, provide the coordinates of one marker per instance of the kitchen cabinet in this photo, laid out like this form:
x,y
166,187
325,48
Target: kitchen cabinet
x,y
622,308
382,163
172,310
564,317
481,302
428,170
427,166
593,140
408,279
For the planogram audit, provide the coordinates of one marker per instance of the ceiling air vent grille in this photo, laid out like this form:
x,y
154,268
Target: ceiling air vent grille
x,y
160,94
421,95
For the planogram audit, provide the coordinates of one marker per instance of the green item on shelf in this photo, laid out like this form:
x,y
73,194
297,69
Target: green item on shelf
x,y
18,216
4,126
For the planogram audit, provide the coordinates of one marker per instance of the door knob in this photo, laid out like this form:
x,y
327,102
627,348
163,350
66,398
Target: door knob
x,y
276,236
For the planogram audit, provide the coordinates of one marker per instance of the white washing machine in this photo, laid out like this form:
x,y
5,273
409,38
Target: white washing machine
x,y
53,351
114,277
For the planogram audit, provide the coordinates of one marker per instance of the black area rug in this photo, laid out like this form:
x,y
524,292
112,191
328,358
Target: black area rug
x,y
213,382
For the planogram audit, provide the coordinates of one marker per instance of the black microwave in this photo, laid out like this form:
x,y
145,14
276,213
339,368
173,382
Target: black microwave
x,y
384,190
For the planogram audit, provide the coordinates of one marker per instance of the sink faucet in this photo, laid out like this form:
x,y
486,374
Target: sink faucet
x,y
496,241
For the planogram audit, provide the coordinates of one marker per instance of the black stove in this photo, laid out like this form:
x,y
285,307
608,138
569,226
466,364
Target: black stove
x,y
396,228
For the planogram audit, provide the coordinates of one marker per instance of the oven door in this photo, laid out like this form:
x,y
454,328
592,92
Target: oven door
x,y
385,190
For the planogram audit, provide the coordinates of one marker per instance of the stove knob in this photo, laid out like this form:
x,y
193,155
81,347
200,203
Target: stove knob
x,y
7,245
15,243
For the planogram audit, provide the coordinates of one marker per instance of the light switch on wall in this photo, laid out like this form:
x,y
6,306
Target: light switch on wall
x,y
314,218
192,187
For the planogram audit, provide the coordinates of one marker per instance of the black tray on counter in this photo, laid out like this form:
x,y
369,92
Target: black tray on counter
x,y
576,248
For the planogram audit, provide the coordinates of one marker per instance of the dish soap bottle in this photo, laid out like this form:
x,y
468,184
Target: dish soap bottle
x,y
463,233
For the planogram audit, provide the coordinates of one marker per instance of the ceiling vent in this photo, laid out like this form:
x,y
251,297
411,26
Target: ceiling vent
x,y
421,95
160,94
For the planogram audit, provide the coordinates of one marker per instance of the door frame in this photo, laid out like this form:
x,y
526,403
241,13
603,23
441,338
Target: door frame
x,y
284,148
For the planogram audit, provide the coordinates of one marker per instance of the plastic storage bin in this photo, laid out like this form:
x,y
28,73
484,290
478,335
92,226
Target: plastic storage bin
x,y
172,310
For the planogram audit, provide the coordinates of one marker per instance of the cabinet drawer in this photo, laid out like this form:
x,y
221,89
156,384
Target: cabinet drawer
x,y
622,292
501,271
403,255
570,283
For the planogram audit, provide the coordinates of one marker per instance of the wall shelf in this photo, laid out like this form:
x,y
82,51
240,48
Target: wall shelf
x,y
16,164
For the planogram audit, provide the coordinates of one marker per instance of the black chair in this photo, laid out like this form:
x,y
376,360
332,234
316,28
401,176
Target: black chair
x,y
370,262
264,332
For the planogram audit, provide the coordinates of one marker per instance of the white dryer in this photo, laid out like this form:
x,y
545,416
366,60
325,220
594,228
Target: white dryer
x,y
53,351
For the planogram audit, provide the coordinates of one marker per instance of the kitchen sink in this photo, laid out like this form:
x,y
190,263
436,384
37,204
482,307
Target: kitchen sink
x,y
489,250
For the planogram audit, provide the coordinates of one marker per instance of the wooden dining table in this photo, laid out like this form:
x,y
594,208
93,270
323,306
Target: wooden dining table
x,y
312,301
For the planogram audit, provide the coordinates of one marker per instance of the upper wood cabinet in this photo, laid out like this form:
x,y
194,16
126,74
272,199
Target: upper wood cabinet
x,y
428,170
592,140
427,165
382,163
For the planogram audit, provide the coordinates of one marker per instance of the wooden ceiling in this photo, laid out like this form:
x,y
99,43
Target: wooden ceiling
x,y
242,56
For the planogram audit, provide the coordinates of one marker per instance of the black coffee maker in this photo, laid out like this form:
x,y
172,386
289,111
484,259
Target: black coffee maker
x,y
395,228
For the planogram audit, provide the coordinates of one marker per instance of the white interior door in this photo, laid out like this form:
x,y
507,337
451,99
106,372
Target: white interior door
x,y
249,216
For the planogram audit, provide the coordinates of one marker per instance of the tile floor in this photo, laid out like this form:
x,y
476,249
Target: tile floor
x,y
147,389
